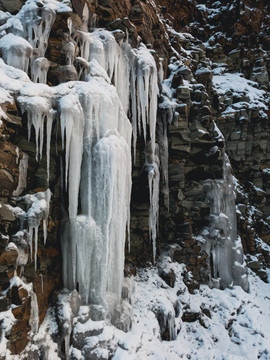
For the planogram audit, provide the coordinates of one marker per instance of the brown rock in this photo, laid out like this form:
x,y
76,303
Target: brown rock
x,y
78,6
8,257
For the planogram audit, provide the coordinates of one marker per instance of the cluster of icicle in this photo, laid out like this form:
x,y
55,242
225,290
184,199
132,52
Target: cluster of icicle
x,y
114,81
37,210
223,245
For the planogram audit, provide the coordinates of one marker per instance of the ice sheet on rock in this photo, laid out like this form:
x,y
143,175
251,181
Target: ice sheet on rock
x,y
23,168
16,51
34,315
226,261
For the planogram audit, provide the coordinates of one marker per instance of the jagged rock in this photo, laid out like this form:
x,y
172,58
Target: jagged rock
x,y
78,6
5,213
168,276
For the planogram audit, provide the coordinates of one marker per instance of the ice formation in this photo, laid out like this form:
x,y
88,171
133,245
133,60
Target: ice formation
x,y
134,72
96,137
226,260
23,167
38,206
102,173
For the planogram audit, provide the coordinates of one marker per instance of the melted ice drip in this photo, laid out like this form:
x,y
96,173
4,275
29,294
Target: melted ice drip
x,y
222,243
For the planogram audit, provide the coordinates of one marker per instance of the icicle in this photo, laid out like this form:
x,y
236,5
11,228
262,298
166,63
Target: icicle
x,y
38,28
147,101
17,154
68,49
72,123
36,246
38,209
50,116
160,71
37,109
113,168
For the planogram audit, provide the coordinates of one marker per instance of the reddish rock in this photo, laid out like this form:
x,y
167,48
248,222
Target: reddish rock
x,y
8,257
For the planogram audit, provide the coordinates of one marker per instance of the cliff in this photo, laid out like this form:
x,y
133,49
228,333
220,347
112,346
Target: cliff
x,y
134,141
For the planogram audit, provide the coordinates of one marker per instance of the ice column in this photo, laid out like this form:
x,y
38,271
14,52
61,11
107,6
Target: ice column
x,y
152,167
72,124
93,241
225,252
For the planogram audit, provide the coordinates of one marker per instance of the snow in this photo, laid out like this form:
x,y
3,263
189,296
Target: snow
x,y
16,51
238,84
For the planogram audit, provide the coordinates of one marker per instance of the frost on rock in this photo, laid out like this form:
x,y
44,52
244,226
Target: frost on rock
x,y
226,260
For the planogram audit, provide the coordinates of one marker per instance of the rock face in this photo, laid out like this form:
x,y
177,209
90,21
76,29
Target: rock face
x,y
214,97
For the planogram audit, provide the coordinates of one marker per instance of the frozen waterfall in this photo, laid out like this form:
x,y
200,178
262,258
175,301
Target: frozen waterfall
x,y
222,244
116,82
